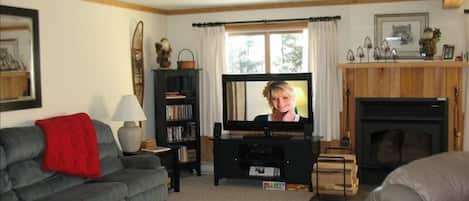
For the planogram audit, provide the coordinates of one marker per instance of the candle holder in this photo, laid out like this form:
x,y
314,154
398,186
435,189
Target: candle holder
x,y
368,45
350,56
386,49
377,54
360,53
394,54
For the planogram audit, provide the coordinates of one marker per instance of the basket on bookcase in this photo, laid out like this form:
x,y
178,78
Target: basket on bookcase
x,y
188,64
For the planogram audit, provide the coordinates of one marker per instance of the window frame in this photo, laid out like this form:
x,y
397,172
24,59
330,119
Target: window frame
x,y
266,30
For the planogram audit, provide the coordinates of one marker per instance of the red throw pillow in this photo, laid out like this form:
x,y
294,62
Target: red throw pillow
x,y
70,145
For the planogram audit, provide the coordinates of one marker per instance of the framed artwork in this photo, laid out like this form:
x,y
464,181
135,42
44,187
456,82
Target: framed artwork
x,y
401,31
448,51
9,55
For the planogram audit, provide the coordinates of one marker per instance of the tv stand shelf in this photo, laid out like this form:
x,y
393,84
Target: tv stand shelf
x,y
234,156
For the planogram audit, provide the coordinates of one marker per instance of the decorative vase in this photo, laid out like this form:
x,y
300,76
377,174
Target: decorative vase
x,y
163,61
428,48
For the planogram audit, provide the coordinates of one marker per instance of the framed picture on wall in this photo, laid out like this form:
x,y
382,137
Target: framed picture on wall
x,y
401,31
9,59
448,52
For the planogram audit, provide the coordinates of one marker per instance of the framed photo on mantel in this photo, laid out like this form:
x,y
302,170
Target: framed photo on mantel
x,y
401,31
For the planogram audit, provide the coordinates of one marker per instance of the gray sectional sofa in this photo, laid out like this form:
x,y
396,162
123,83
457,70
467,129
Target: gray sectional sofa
x,y
133,178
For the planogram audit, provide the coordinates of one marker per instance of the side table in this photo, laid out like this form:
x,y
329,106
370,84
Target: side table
x,y
169,159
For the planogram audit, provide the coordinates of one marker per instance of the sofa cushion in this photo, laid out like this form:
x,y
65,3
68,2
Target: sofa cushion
x,y
8,196
110,165
5,183
55,183
108,151
106,142
137,180
21,143
26,173
141,161
3,159
91,192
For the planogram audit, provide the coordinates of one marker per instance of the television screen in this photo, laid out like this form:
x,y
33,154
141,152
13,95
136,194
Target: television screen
x,y
276,101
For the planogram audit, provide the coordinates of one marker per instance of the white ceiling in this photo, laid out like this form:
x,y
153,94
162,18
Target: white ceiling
x,y
188,4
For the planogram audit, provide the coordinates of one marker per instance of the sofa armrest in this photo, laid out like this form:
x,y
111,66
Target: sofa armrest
x,y
141,161
393,192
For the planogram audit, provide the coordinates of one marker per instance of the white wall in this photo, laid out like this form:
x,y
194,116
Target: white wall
x,y
357,22
85,48
85,59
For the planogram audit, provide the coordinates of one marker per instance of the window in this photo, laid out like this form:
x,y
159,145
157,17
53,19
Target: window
x,y
267,49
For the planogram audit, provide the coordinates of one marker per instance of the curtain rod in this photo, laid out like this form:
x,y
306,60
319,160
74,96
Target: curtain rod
x,y
311,19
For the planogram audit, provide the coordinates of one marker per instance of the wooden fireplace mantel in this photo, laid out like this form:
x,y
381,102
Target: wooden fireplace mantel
x,y
416,79
413,64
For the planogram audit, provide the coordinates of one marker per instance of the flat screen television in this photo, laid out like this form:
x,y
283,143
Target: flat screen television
x,y
278,102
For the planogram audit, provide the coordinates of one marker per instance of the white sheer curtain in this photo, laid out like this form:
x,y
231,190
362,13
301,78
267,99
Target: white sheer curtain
x,y
326,78
466,92
211,58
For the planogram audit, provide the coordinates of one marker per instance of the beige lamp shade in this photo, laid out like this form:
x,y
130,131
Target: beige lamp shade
x,y
129,109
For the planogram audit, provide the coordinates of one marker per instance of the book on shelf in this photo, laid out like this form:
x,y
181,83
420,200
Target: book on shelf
x,y
181,133
174,95
157,150
178,112
187,155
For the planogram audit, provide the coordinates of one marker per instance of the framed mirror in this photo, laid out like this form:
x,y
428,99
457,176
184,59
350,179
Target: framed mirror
x,y
20,81
137,62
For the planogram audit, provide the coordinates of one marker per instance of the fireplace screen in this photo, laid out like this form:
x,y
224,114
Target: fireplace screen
x,y
397,146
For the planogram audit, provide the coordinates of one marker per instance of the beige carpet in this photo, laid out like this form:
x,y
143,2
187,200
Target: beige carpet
x,y
194,188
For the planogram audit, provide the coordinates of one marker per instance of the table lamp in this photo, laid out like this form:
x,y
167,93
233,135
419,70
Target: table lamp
x,y
130,135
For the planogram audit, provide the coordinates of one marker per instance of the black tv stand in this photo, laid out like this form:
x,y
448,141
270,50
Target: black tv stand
x,y
292,156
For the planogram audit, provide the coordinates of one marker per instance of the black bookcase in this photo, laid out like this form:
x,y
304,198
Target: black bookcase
x,y
177,120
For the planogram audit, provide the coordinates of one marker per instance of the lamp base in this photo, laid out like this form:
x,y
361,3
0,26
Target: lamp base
x,y
130,137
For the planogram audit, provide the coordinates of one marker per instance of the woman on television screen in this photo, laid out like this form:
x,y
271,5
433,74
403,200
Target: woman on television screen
x,y
281,98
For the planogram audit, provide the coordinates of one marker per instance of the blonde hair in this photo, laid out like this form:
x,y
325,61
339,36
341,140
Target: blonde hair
x,y
273,86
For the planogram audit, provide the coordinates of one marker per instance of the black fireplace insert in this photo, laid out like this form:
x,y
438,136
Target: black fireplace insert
x,y
394,131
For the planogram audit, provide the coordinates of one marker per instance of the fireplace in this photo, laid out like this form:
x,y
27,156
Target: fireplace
x,y
394,131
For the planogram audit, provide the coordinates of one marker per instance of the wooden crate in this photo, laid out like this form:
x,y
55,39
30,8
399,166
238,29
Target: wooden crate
x,y
339,192
298,187
328,178
331,175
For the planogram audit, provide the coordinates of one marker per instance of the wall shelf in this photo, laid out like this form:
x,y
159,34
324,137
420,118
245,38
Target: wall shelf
x,y
410,64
